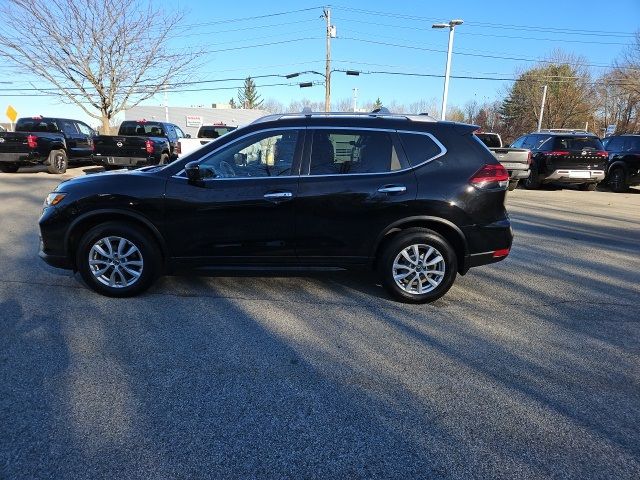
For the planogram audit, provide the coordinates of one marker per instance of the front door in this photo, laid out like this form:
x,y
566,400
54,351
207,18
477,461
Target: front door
x,y
244,212
355,183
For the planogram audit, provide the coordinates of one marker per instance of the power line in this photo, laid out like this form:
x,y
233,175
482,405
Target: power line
x,y
255,17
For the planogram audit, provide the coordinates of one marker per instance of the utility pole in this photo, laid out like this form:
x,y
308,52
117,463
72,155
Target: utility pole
x,y
331,33
355,99
166,105
544,98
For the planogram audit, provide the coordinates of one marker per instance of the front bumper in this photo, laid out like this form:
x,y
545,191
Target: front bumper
x,y
576,176
57,261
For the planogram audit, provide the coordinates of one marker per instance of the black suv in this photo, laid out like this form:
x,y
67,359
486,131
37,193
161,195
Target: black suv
x,y
623,169
570,157
418,200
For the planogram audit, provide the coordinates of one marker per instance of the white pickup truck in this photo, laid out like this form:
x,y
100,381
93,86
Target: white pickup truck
x,y
517,161
206,134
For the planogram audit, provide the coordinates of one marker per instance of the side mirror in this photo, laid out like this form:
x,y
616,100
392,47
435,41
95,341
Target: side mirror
x,y
187,135
192,169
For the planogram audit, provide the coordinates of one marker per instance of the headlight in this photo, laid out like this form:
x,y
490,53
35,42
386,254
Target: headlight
x,y
54,199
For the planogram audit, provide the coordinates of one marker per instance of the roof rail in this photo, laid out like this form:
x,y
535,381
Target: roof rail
x,y
377,113
564,130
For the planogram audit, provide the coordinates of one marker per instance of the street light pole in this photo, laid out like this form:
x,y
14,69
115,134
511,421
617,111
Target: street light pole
x,y
544,98
452,25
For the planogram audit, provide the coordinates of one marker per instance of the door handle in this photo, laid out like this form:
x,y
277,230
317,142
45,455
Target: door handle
x,y
392,189
278,195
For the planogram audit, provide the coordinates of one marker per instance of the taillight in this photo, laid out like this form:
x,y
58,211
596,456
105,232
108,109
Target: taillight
x,y
529,158
149,146
490,176
179,148
501,253
92,145
557,153
32,141
603,154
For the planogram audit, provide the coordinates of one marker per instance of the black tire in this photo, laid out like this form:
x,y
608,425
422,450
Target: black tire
x,y
512,185
9,167
588,187
164,159
148,253
57,162
618,180
532,182
426,239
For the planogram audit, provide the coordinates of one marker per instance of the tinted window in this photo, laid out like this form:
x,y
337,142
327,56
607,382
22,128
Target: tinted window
x,y
491,140
614,144
577,143
267,154
68,127
179,132
142,129
85,130
352,151
632,144
540,142
418,148
518,143
36,125
214,132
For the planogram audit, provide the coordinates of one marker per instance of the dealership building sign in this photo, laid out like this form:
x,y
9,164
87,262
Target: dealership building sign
x,y
193,121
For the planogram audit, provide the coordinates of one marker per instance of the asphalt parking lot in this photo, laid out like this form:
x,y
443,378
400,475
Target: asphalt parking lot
x,y
529,368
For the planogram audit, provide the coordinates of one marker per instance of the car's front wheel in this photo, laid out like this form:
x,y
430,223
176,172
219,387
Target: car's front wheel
x,y
118,260
418,266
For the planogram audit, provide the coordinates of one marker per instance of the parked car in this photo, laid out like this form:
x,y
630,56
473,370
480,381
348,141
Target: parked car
x,y
568,157
515,160
623,167
418,200
139,143
53,142
206,134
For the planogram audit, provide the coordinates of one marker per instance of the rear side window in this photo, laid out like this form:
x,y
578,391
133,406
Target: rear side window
x,y
540,142
632,144
614,144
577,143
519,142
339,152
419,148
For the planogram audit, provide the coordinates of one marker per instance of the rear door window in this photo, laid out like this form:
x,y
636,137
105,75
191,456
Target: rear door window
x,y
69,127
632,144
615,144
342,152
419,148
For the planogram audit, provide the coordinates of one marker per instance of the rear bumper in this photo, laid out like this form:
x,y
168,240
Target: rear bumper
x,y
124,161
576,176
18,157
518,174
487,243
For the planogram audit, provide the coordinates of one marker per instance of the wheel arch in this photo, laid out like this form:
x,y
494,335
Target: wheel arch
x,y
618,164
83,223
447,229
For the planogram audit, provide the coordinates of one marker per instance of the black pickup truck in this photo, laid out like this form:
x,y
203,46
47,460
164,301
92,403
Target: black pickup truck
x,y
53,142
137,144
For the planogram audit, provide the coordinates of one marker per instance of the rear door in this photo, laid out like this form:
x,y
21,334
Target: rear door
x,y
84,143
354,183
74,138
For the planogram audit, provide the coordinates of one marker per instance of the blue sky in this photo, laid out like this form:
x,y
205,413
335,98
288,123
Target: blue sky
x,y
492,30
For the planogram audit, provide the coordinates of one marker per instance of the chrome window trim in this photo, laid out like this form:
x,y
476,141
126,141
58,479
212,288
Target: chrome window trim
x,y
443,151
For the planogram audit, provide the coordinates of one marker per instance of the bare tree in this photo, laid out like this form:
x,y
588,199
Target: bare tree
x,y
102,55
471,109
272,105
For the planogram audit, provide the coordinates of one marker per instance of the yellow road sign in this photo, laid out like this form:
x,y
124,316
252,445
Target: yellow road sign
x,y
11,114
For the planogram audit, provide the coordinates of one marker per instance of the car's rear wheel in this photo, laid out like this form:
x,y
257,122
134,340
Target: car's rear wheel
x,y
532,182
418,266
118,260
57,162
513,184
9,167
618,180
164,159
588,187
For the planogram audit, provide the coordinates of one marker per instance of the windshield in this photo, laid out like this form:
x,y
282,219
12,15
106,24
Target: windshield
x,y
141,129
578,143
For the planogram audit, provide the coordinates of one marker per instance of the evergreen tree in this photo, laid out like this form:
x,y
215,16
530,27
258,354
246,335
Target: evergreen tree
x,y
248,96
377,104
232,103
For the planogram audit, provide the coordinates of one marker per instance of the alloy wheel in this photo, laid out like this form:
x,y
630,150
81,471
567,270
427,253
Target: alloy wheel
x,y
115,262
419,269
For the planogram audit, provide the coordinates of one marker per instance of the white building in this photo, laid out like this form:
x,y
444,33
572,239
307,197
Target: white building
x,y
190,119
